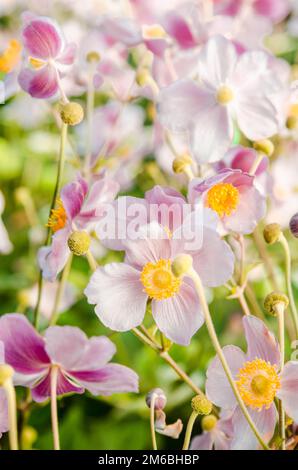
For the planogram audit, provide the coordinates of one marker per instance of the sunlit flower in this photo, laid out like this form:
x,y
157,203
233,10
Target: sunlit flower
x,y
121,290
226,92
47,54
82,363
232,195
217,434
78,209
259,382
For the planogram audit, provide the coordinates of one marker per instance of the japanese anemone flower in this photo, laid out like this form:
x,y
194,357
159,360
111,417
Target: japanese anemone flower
x,y
82,363
259,381
232,195
120,291
225,92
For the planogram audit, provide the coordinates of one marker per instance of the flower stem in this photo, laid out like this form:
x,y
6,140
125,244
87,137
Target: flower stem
x,y
90,114
54,412
213,336
91,260
189,428
60,291
61,162
12,413
285,245
256,163
280,311
152,421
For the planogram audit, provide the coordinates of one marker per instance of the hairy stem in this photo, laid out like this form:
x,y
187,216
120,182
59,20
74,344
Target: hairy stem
x,y
54,411
189,428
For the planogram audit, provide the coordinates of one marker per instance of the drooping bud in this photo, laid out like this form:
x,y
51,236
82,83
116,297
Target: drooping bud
x,y
181,162
181,265
93,56
272,300
208,423
294,225
265,146
6,373
272,233
79,243
160,399
71,113
201,405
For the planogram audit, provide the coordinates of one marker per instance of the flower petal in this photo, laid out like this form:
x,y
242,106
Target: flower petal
x,y
112,378
261,343
250,210
4,423
24,348
52,259
42,38
72,196
202,442
39,84
244,438
256,117
42,390
288,392
218,389
179,317
117,291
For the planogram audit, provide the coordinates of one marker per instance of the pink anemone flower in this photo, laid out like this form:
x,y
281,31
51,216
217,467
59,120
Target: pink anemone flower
x,y
275,10
4,425
82,363
232,195
79,208
121,291
226,92
259,381
217,434
48,54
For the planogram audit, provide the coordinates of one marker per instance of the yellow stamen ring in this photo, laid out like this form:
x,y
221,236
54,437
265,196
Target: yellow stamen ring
x,y
158,280
58,217
223,198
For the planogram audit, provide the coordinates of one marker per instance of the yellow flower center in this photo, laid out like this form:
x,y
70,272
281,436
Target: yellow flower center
x,y
11,56
58,217
154,31
158,280
223,198
224,95
258,383
36,63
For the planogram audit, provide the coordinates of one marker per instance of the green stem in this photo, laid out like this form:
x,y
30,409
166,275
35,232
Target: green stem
x,y
189,428
152,421
60,291
61,162
213,336
54,411
12,413
280,308
285,245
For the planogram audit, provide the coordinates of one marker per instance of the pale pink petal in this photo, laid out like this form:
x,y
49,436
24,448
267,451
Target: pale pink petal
x,y
244,438
276,10
250,210
261,343
68,55
52,259
112,378
180,316
97,352
214,262
177,27
117,291
180,103
218,389
202,442
41,83
288,392
256,117
24,348
4,423
170,204
72,196
212,132
217,61
42,38
5,244
123,30
65,345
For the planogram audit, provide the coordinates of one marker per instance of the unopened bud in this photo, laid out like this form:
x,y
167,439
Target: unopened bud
x,y
274,299
201,405
272,233
93,56
28,437
180,163
294,225
71,113
6,373
292,122
265,146
181,265
208,423
160,400
79,243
